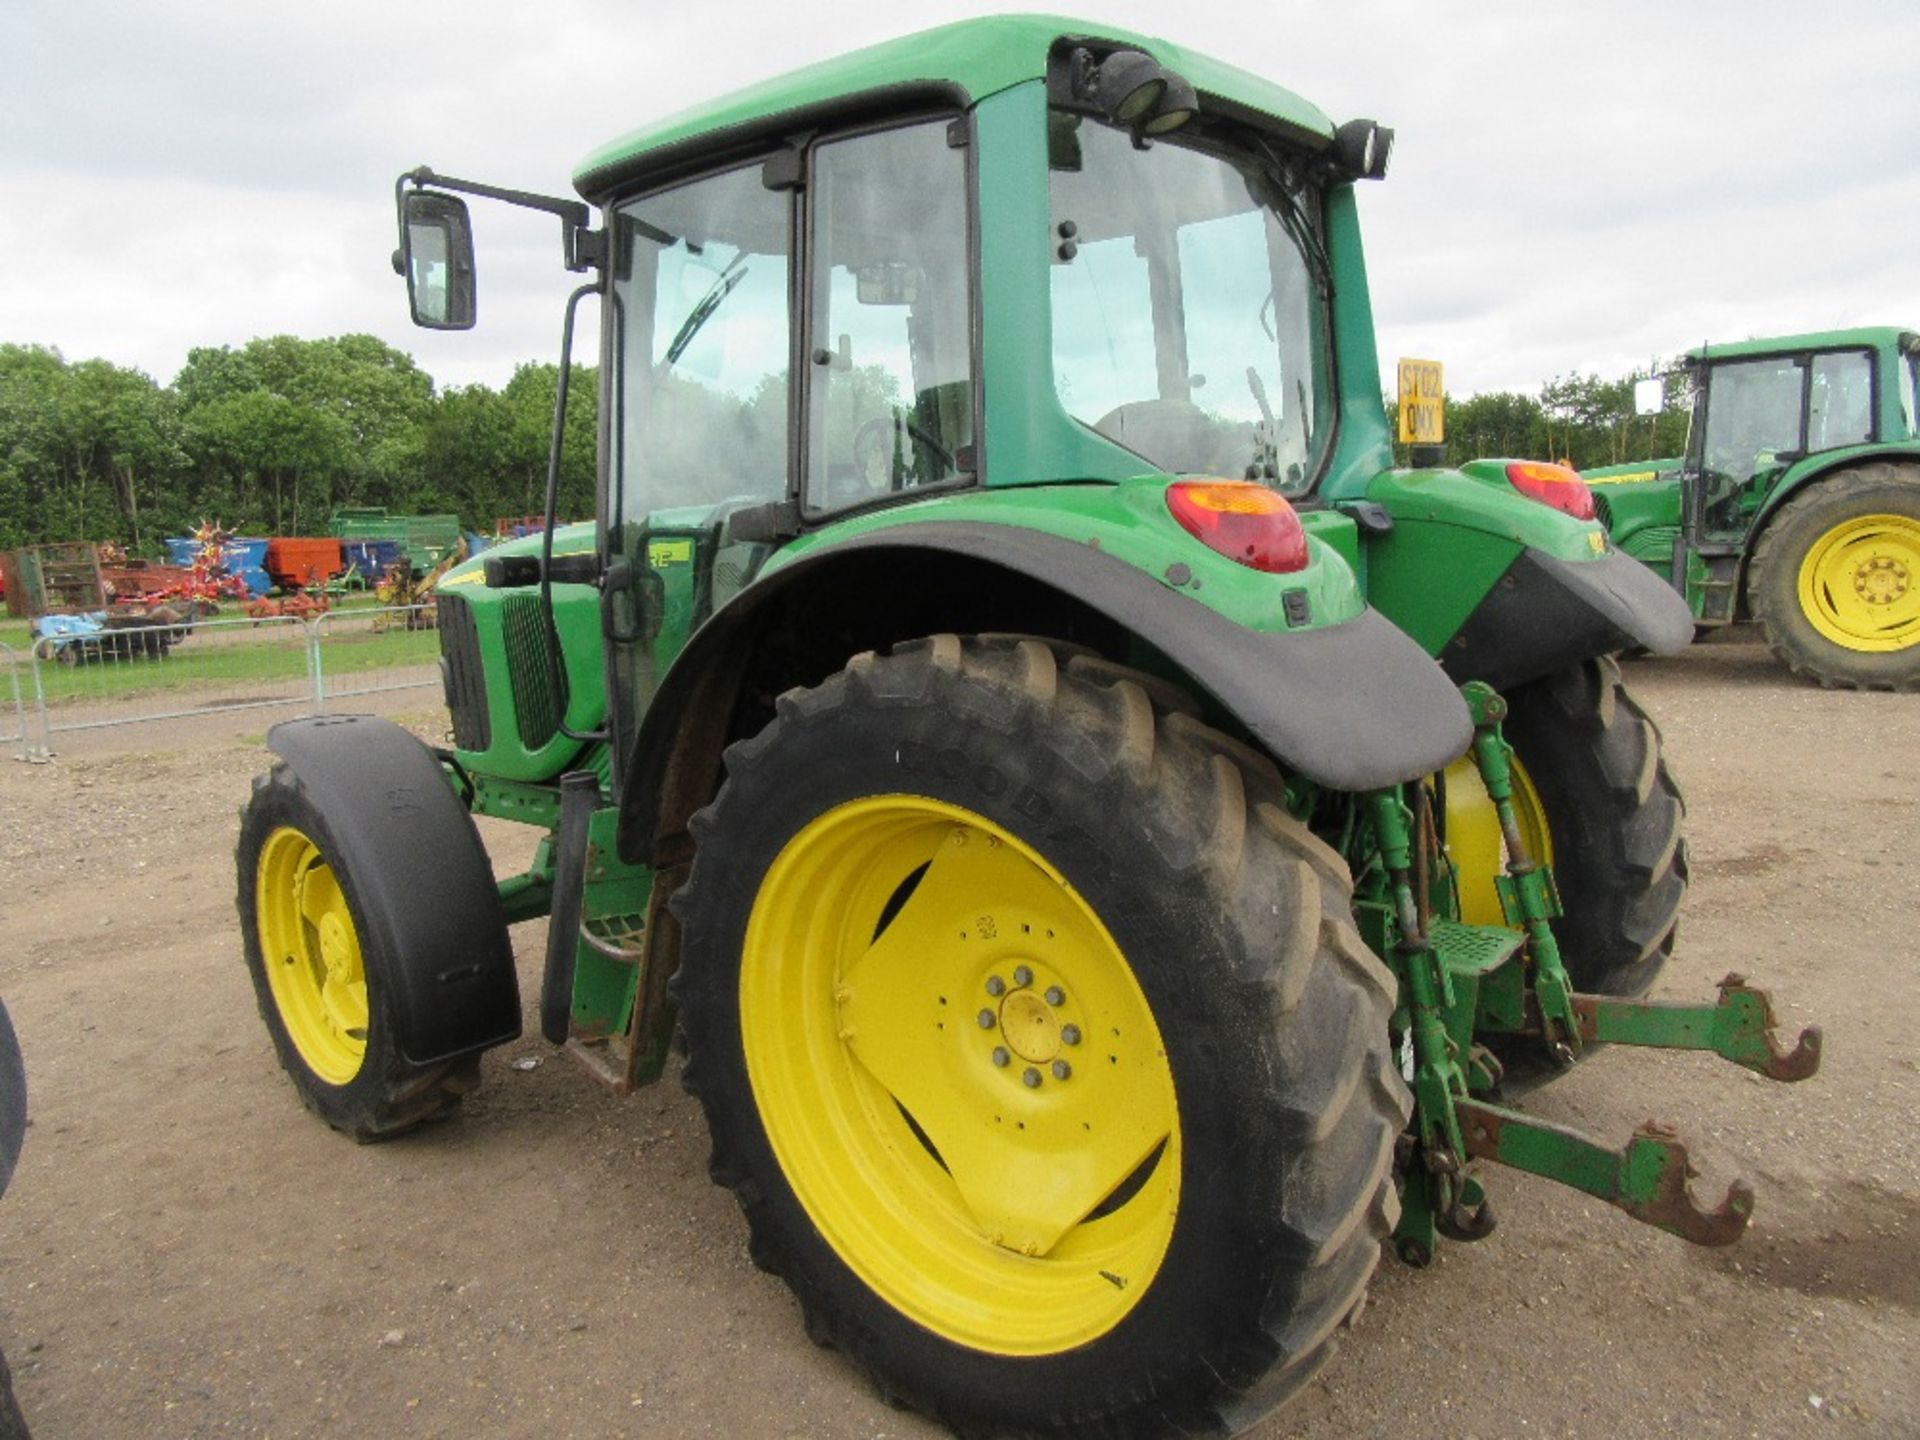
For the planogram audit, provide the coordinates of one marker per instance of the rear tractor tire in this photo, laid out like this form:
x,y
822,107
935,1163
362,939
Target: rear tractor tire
x,y
1595,801
1835,579
1037,1043
322,980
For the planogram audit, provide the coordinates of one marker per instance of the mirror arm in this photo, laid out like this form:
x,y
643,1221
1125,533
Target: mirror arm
x,y
585,247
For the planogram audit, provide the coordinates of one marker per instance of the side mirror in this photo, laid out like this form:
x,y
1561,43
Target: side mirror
x,y
1649,395
437,259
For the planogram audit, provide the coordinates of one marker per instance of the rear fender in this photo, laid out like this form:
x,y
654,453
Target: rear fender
x,y
1817,467
1351,706
1501,588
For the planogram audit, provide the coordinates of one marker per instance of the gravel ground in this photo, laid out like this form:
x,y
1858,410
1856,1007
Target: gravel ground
x,y
186,1252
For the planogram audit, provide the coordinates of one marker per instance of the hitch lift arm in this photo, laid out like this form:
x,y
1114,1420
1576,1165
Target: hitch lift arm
x,y
1458,980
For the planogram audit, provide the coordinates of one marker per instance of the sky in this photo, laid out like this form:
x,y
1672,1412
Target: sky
x,y
1574,188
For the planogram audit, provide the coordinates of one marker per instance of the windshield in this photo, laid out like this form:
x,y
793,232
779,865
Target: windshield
x,y
1188,324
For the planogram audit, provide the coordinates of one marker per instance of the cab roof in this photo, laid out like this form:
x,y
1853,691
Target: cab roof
x,y
968,61
1866,337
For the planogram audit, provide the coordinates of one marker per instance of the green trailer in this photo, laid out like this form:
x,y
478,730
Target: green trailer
x,y
1797,504
425,540
1101,836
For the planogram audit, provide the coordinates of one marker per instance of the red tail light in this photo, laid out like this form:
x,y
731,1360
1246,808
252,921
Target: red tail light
x,y
1553,485
1247,523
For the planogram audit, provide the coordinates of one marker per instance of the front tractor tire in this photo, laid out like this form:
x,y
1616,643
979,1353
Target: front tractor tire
x,y
1835,579
1594,801
1037,1043
323,981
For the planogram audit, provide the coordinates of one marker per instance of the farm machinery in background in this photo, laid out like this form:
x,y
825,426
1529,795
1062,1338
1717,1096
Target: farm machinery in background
x,y
1101,834
1797,503
90,602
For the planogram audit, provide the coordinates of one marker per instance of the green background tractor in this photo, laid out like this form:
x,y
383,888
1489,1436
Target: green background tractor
x,y
1013,725
1797,504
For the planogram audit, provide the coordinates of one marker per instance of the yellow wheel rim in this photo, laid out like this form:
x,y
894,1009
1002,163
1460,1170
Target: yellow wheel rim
x,y
1860,583
960,1076
312,955
1474,840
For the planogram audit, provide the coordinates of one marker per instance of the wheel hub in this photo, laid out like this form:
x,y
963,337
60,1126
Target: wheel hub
x,y
1030,1027
1880,580
1031,1022
335,947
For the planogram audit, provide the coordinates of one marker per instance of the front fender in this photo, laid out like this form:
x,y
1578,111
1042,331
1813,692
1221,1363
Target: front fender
x,y
422,875
1352,706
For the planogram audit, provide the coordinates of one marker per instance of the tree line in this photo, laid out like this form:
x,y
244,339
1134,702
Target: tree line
x,y
1583,420
272,437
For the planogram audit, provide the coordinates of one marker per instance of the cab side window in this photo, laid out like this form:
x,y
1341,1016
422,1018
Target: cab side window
x,y
890,387
1840,404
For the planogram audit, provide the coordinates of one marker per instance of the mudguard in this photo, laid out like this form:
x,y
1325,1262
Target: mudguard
x,y
1351,706
418,869
1546,613
13,1099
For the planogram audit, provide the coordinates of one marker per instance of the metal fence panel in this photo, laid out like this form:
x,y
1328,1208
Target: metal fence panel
x,y
168,672
375,651
13,709
136,674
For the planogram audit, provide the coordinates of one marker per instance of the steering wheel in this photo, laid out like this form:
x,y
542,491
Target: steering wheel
x,y
873,452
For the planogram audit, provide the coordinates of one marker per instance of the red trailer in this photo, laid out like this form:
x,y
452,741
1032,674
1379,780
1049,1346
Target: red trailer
x,y
294,562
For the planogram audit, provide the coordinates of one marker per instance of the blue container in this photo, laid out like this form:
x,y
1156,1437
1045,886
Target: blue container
x,y
374,557
182,551
257,581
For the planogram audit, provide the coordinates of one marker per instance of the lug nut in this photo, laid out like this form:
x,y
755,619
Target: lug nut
x,y
1056,997
986,1019
1030,1077
996,986
1000,1056
1022,975
1070,1034
1061,1070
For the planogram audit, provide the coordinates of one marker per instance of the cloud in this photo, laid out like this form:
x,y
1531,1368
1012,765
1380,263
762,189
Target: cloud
x,y
1573,189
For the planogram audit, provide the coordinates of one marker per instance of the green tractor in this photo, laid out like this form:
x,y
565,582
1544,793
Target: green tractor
x,y
1797,503
1098,832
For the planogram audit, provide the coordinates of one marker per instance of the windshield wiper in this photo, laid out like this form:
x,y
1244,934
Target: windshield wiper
x,y
1293,219
722,287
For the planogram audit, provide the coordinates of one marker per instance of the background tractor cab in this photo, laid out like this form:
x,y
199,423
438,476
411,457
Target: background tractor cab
x,y
1797,503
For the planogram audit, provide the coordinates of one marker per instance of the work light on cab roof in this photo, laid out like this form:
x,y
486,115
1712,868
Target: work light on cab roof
x,y
1133,90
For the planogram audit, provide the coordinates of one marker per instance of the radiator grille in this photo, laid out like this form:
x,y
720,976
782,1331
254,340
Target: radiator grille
x,y
462,676
535,706
1653,545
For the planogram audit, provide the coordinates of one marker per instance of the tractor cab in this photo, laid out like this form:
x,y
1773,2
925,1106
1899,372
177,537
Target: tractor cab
x,y
1759,409
824,311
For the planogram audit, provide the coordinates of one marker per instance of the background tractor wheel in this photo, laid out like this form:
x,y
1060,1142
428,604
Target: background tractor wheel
x,y
320,977
1595,799
1037,1043
1835,579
